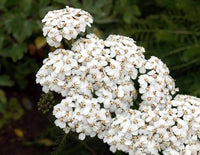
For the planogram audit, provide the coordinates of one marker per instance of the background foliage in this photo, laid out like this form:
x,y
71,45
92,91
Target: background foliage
x,y
167,29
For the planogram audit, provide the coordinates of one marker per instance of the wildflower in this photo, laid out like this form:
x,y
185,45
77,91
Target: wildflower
x,y
65,23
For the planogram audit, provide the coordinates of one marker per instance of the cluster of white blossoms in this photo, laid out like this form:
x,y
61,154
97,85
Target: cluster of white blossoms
x,y
82,115
65,23
102,80
174,130
156,86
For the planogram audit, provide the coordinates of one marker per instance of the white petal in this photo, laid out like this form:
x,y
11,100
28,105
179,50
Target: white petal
x,y
81,136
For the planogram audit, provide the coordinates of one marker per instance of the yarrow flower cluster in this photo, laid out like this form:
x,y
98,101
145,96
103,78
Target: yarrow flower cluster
x,y
65,23
82,115
174,130
102,80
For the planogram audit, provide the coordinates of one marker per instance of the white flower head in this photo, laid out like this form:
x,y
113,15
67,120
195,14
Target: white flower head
x,y
65,23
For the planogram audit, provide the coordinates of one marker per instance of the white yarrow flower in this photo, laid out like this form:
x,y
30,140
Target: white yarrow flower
x,y
65,23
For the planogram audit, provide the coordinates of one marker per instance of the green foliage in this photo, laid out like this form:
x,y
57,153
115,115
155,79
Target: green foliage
x,y
3,101
61,143
20,25
6,81
10,111
18,71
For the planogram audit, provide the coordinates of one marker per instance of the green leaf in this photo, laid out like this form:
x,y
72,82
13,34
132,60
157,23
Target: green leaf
x,y
1,41
18,51
24,32
18,26
3,101
191,53
60,146
2,3
130,14
15,109
165,36
6,81
14,23
25,5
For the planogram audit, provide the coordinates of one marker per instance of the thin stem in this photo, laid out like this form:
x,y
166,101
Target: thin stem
x,y
89,148
86,146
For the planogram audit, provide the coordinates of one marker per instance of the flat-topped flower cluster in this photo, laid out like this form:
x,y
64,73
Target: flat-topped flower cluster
x,y
101,80
174,130
65,23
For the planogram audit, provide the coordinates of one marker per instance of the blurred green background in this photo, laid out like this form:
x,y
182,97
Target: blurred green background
x,y
167,29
